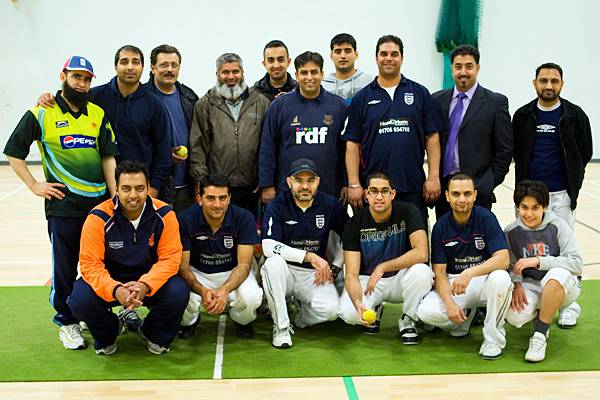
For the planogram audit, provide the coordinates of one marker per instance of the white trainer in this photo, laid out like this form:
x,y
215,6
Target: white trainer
x,y
537,348
567,318
282,338
490,351
108,350
463,329
70,336
157,349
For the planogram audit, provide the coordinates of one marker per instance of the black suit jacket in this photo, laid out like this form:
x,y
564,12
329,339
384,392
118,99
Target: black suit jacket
x,y
485,143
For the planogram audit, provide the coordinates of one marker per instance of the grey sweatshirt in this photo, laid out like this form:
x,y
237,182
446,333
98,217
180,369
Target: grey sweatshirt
x,y
346,88
552,241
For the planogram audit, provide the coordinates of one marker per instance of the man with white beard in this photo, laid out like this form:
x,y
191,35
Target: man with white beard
x,y
225,132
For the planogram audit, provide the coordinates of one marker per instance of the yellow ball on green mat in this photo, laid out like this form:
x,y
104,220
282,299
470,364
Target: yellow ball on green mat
x,y
369,316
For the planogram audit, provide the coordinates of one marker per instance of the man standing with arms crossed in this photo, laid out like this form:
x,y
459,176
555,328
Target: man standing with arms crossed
x,y
77,146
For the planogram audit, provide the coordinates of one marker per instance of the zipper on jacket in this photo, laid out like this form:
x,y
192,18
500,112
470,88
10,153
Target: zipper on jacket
x,y
134,237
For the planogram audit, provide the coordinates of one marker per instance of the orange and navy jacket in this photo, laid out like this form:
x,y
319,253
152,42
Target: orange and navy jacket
x,y
113,252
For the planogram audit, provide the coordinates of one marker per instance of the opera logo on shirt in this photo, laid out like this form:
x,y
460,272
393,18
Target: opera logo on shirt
x,y
77,142
314,135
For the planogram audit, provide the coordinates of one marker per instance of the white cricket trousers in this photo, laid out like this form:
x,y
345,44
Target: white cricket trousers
x,y
243,301
494,291
408,286
533,292
282,281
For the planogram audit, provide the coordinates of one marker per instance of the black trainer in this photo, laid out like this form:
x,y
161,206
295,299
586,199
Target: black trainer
x,y
375,326
244,331
189,331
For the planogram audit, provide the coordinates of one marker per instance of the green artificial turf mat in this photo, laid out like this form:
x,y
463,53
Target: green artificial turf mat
x,y
30,349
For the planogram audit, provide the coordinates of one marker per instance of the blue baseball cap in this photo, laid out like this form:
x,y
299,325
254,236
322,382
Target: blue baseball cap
x,y
303,165
78,63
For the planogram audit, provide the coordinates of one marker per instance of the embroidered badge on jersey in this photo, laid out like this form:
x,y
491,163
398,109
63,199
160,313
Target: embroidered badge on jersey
x,y
228,241
479,243
328,119
320,221
295,121
62,124
409,98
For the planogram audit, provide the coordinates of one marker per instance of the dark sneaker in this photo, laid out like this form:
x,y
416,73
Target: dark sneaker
x,y
375,326
408,331
189,331
244,331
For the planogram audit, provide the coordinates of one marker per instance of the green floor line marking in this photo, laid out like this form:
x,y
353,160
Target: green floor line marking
x,y
350,389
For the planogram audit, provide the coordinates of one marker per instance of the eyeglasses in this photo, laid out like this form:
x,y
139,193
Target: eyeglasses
x,y
385,192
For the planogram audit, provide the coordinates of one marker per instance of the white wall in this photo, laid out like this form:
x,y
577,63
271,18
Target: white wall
x,y
516,36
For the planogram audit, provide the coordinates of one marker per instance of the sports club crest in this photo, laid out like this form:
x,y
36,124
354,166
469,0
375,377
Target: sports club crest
x,y
409,98
228,242
479,243
320,221
328,119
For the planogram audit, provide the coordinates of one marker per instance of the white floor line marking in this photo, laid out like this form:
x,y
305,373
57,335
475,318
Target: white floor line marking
x,y
218,369
589,194
11,193
25,262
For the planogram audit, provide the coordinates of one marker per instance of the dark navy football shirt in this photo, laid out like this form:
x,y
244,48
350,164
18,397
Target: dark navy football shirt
x,y
215,252
547,163
392,133
465,246
296,127
308,230
380,242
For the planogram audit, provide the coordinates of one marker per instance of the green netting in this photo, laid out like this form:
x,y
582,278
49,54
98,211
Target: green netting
x,y
458,24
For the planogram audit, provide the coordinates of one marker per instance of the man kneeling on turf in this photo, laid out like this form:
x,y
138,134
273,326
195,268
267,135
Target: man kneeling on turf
x,y
545,264
385,251
218,245
470,258
298,228
130,255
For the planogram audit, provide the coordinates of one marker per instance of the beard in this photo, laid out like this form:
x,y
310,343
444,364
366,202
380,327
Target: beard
x,y
78,99
548,95
231,93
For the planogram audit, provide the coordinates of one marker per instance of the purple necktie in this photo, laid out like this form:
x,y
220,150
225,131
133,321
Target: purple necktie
x,y
455,120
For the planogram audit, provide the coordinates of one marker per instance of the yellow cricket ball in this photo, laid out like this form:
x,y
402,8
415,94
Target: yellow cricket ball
x,y
369,316
182,151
